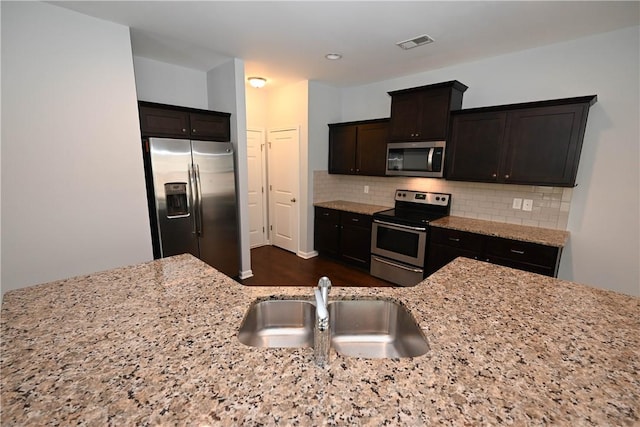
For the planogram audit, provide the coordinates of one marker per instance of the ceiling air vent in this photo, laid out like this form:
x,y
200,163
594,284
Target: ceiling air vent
x,y
415,42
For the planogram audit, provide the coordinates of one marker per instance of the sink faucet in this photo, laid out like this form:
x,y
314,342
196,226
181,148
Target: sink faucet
x,y
322,334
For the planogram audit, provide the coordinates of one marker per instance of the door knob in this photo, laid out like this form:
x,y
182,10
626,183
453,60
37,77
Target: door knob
x,y
293,200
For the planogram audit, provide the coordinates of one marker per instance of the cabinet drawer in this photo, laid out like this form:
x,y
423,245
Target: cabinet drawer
x,y
457,239
354,219
525,252
326,214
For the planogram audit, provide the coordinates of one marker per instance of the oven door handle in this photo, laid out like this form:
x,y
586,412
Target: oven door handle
x,y
393,264
400,225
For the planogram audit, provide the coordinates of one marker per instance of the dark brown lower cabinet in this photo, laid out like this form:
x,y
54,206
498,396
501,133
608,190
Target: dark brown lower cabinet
x,y
343,235
445,245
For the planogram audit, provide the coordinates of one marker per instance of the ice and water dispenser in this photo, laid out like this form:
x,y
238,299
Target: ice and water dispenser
x,y
176,196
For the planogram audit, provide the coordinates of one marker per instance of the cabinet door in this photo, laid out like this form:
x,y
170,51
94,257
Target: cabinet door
x,y
342,149
163,122
445,245
475,146
440,255
405,116
434,115
544,145
327,231
210,126
371,157
355,238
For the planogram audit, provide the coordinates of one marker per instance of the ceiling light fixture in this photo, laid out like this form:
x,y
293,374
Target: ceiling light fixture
x,y
257,82
415,42
333,56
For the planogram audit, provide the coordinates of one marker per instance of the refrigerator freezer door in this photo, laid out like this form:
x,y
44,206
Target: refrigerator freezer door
x,y
174,198
219,238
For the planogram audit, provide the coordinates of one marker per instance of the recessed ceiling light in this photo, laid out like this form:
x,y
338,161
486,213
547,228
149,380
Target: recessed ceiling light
x,y
257,82
415,42
333,56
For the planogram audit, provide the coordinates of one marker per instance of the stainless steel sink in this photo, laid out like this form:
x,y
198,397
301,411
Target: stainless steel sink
x,y
278,323
375,329
367,328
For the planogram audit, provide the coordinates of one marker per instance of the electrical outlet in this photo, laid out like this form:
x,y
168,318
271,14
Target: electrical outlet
x,y
366,189
517,203
527,205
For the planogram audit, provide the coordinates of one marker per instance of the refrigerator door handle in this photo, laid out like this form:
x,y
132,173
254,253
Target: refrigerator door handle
x,y
192,201
199,196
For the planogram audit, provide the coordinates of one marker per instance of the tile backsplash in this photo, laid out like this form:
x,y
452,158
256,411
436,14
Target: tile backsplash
x,y
491,202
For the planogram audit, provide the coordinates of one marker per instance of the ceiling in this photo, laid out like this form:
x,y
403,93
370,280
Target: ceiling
x,y
287,41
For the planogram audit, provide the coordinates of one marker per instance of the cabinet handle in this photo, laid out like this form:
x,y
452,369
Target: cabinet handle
x,y
355,220
517,252
453,239
325,213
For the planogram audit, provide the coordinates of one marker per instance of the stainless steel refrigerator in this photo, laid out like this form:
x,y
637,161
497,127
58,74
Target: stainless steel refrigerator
x,y
194,197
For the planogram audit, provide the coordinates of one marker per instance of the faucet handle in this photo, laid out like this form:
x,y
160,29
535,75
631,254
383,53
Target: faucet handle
x,y
324,283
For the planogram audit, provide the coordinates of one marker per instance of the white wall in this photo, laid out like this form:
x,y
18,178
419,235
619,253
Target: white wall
x,y
604,246
73,193
324,108
158,81
226,92
257,107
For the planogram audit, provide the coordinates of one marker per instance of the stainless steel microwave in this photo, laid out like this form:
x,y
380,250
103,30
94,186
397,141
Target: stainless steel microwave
x,y
424,159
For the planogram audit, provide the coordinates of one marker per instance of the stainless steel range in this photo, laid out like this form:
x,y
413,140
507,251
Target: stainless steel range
x,y
399,235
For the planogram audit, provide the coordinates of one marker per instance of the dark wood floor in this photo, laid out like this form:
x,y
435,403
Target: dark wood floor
x,y
273,266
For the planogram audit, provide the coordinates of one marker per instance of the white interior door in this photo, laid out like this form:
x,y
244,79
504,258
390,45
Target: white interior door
x,y
256,163
284,166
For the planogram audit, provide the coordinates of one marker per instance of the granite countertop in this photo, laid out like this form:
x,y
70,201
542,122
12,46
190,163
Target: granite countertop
x,y
156,343
343,205
544,236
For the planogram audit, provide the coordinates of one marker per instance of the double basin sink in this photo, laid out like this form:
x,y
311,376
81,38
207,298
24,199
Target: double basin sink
x,y
367,328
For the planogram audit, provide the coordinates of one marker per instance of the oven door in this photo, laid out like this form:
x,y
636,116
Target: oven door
x,y
398,242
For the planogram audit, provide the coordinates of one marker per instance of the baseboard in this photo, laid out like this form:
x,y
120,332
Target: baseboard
x,y
246,274
307,255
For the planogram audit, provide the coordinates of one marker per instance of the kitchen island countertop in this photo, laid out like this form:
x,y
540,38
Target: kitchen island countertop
x,y
156,343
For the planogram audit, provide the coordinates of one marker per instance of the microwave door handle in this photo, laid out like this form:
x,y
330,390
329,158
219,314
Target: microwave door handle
x,y
430,160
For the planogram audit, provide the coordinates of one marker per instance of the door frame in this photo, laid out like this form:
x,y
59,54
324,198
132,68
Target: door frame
x,y
265,184
296,186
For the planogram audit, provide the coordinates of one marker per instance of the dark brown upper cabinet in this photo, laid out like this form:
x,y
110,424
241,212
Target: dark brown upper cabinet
x,y
181,122
422,113
535,143
358,148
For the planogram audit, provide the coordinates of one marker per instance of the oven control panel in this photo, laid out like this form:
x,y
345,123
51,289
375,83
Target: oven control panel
x,y
422,197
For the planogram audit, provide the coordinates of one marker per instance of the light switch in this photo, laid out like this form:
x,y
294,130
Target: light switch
x,y
527,205
517,203
366,189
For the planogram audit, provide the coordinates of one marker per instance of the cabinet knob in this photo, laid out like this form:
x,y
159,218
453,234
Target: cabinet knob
x,y
495,175
193,130
506,176
183,130
293,200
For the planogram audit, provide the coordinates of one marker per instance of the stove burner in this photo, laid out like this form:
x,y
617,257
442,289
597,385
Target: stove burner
x,y
415,208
